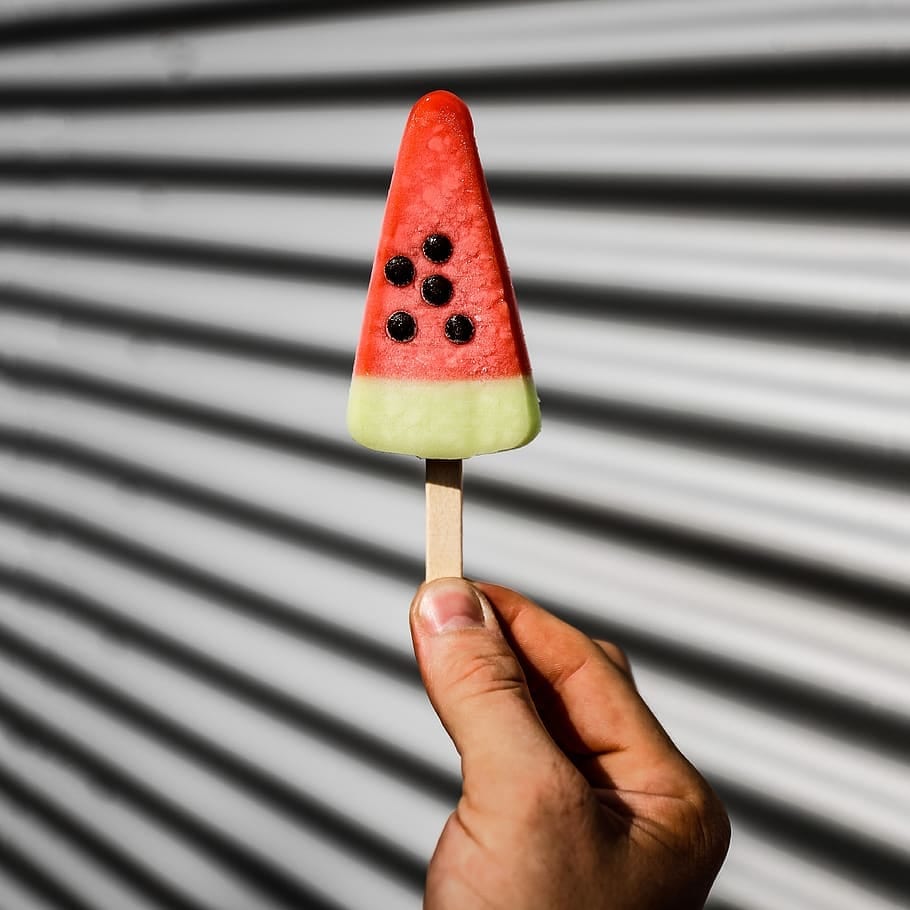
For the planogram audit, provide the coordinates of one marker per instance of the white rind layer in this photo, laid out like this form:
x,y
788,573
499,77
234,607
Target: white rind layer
x,y
443,419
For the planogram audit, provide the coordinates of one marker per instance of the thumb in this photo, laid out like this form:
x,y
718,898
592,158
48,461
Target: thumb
x,y
477,687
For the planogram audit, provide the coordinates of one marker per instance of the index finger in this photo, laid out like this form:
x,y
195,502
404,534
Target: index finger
x,y
588,702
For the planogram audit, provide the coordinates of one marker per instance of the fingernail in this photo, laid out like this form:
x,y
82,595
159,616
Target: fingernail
x,y
450,604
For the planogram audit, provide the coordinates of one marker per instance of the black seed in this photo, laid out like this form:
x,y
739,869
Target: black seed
x,y
401,326
436,290
399,270
459,329
437,248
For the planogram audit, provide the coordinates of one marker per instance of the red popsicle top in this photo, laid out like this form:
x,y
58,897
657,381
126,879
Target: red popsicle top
x,y
440,305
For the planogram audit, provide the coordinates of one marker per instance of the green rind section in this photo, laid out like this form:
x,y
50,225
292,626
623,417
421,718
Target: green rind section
x,y
443,419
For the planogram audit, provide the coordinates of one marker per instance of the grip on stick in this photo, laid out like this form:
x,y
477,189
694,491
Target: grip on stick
x,y
444,553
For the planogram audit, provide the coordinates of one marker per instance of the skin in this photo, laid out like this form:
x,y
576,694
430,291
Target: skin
x,y
574,797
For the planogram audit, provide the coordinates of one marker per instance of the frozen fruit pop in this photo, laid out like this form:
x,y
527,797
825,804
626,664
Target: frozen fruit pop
x,y
441,370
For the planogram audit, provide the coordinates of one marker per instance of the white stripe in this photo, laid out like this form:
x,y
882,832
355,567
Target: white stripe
x,y
299,853
494,38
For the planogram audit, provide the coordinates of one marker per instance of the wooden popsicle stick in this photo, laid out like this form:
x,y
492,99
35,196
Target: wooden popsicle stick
x,y
444,554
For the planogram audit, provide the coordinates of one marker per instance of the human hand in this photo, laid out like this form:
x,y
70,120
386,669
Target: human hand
x,y
574,797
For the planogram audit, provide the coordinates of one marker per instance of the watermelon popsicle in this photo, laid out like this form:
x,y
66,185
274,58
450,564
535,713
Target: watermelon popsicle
x,y
441,370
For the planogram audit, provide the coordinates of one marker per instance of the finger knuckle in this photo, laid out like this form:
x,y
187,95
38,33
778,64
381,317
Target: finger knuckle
x,y
710,824
615,653
550,798
488,671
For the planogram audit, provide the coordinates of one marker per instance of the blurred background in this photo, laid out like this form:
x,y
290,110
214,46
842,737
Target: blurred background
x,y
207,693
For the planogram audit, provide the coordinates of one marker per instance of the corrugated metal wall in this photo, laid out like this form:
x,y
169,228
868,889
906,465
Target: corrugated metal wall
x,y
207,697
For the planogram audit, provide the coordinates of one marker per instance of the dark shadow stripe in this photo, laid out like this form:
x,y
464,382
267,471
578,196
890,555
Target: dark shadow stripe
x,y
51,595
877,467
104,774
863,464
400,469
118,863
821,74
295,805
874,867
879,728
802,575
66,27
186,252
71,310
749,317
208,173
845,201
32,875
887,333
797,199
229,595
801,702
887,336
309,626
